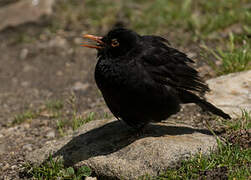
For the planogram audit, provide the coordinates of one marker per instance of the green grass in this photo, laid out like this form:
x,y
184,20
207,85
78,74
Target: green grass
x,y
24,38
54,169
244,122
71,120
23,117
107,115
54,105
53,109
78,121
185,20
201,18
236,58
61,124
237,161
74,123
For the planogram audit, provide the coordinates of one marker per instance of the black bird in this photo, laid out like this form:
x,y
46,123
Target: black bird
x,y
143,79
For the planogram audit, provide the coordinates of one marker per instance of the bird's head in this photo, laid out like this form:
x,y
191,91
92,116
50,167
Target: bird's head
x,y
116,43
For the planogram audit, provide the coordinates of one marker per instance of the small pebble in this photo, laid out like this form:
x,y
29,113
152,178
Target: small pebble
x,y
6,166
35,2
191,55
14,80
50,134
14,167
43,37
26,126
28,147
78,86
90,178
58,42
25,83
59,73
24,53
70,51
78,40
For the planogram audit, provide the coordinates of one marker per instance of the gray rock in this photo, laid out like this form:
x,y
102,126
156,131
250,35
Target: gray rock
x,y
231,92
113,149
24,11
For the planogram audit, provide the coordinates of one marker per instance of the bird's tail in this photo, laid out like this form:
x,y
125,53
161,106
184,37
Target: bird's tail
x,y
189,97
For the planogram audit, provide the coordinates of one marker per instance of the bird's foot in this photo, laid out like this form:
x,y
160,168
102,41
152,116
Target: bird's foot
x,y
141,131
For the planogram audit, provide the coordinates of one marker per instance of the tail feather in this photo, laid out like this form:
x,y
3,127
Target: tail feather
x,y
188,97
210,107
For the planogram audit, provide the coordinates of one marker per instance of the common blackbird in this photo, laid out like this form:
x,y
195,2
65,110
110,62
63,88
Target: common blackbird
x,y
143,79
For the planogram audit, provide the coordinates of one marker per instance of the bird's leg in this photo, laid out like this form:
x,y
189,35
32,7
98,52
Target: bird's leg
x,y
137,132
141,130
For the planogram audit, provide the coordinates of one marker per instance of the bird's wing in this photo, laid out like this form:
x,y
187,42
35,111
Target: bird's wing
x,y
169,66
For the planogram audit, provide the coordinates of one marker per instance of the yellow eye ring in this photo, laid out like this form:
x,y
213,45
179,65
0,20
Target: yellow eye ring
x,y
115,43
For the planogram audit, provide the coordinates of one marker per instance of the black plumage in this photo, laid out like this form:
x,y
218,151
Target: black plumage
x,y
143,79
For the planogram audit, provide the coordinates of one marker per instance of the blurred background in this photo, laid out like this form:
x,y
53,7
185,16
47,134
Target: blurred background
x,y
47,87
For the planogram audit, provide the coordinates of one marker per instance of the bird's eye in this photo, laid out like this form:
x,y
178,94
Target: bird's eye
x,y
115,43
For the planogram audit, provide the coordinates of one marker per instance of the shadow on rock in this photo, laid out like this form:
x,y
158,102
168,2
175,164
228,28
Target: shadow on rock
x,y
112,137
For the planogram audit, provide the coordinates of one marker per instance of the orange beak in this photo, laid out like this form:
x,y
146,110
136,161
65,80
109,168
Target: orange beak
x,y
94,38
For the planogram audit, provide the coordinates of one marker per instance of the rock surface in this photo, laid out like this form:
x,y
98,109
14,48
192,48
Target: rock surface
x,y
231,92
112,149
24,11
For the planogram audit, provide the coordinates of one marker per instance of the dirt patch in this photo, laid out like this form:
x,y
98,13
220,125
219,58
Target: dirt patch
x,y
241,137
220,173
